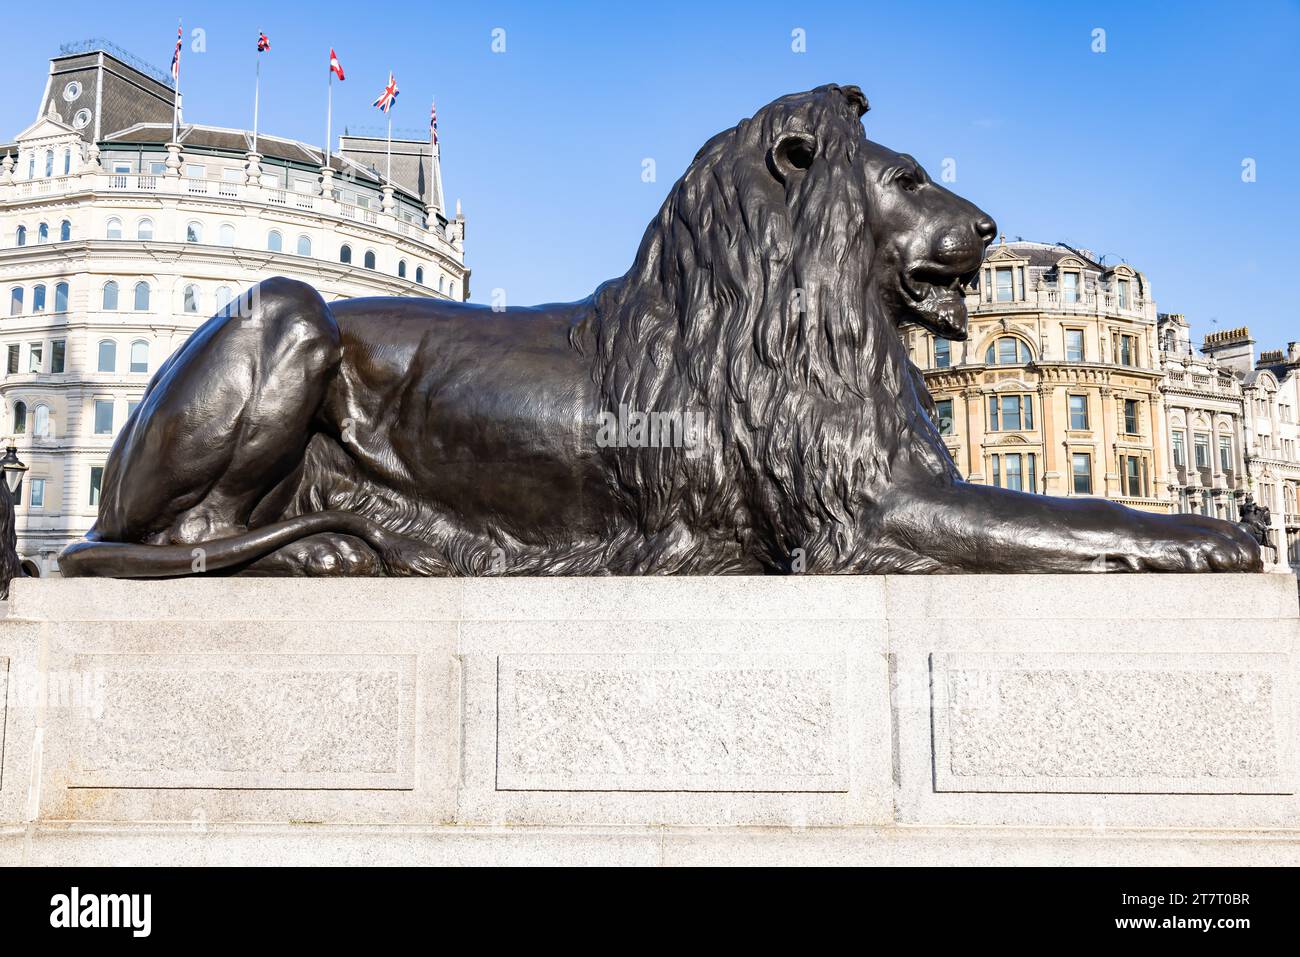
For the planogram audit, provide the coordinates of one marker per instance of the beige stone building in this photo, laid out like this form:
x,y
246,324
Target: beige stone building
x,y
1058,388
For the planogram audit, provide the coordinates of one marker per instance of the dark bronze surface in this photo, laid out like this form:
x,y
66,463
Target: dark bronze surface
x,y
424,437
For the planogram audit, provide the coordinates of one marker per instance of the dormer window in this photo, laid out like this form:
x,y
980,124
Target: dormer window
x,y
1123,293
1004,283
1070,287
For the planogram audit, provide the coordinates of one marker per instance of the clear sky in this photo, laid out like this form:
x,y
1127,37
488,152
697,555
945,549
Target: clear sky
x,y
1135,152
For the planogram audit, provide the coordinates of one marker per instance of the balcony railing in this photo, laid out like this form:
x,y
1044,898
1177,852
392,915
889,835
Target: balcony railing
x,y
405,220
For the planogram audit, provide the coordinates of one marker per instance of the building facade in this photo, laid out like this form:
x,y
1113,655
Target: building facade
x,y
1057,390
118,239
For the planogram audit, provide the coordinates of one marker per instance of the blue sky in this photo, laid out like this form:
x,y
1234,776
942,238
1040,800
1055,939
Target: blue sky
x,y
1135,153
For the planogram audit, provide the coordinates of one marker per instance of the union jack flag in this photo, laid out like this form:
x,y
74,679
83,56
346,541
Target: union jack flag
x,y
388,97
176,57
433,122
263,44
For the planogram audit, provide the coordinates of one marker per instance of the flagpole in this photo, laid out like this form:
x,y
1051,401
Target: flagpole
x,y
257,91
329,116
176,91
389,175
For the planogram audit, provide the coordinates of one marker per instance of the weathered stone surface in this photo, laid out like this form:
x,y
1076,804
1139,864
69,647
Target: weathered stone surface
x,y
735,722
1111,723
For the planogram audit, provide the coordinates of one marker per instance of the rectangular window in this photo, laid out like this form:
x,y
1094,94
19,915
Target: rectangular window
x,y
1011,413
1031,482
942,353
96,482
1133,475
1014,481
1180,449
103,416
38,493
1202,443
1127,351
36,357
1131,416
121,168
232,175
1123,293
131,406
1071,280
1078,411
1225,453
157,169
16,301
997,471
1081,467
196,171
993,414
1073,345
1006,290
11,360
58,352
943,414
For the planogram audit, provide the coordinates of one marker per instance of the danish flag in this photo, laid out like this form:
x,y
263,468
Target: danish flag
x,y
335,66
263,44
176,57
388,97
433,122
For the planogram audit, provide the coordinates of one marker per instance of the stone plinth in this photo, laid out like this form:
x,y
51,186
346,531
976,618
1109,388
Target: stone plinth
x,y
980,719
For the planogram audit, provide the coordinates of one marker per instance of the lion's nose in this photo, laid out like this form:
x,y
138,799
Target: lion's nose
x,y
986,228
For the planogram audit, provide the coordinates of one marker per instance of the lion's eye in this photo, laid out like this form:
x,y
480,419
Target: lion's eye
x,y
908,180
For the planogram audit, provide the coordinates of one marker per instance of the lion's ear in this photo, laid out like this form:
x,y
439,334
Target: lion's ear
x,y
791,154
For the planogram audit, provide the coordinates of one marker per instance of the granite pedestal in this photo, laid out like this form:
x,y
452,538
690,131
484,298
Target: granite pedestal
x,y
1100,719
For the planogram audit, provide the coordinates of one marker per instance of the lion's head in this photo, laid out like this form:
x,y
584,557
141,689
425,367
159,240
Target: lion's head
x,y
768,292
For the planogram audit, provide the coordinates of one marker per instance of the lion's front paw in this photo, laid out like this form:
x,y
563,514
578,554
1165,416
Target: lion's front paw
x,y
1194,543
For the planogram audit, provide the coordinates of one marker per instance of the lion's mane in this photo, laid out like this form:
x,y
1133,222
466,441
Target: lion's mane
x,y
750,302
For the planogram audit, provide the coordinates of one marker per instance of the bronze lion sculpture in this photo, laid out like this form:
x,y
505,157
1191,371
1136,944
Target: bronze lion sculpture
x,y
739,402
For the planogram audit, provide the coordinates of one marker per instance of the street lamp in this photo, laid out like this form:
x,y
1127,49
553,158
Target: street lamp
x,y
14,470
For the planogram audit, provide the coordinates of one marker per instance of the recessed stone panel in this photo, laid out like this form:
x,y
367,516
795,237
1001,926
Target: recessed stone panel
x,y
246,721
1161,724
671,722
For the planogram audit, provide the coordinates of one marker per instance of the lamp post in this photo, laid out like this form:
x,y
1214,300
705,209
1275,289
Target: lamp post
x,y
10,567
14,470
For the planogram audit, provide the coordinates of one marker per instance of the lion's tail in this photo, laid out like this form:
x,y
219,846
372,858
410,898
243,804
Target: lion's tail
x,y
92,557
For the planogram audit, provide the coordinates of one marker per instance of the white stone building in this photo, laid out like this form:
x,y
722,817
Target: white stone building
x,y
117,241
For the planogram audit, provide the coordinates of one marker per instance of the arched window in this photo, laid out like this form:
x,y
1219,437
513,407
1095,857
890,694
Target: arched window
x,y
61,297
43,233
20,236
67,162
274,241
226,235
419,275
304,245
20,417
107,355
451,289
401,269
1007,351
41,425
223,297
49,162
110,296
113,228
370,259
191,298
139,356
442,284
65,231
194,232
142,297
16,301
38,298
345,253
144,229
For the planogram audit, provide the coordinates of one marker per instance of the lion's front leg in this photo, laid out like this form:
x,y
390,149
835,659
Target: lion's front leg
x,y
975,528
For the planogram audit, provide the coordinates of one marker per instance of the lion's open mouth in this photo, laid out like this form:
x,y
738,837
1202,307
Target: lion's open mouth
x,y
938,300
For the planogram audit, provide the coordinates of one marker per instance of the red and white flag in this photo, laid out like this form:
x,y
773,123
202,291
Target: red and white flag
x,y
263,44
176,56
433,122
335,66
389,96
